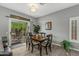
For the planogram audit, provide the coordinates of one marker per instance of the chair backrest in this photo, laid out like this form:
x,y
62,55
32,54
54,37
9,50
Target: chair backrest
x,y
49,38
30,34
5,42
30,37
4,38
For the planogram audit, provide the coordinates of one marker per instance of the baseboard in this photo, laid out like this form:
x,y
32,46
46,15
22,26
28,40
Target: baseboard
x,y
74,49
56,44
70,48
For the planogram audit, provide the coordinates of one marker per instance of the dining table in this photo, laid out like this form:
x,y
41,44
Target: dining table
x,y
39,39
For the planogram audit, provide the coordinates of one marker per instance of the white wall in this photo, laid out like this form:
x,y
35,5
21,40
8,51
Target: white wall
x,y
60,21
58,28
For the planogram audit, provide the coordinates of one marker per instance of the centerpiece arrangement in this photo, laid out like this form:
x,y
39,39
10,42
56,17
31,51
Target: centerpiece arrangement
x,y
36,30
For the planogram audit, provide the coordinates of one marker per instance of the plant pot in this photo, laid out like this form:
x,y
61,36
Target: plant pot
x,y
67,53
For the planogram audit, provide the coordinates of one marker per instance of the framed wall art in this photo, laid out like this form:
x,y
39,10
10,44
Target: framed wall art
x,y
48,25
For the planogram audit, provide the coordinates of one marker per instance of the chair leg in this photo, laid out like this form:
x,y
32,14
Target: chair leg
x,y
29,47
50,48
32,49
38,47
46,51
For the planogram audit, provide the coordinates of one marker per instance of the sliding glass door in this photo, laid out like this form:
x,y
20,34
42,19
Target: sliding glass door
x,y
18,30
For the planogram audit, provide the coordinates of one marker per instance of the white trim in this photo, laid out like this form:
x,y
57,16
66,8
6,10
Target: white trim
x,y
56,44
9,32
74,49
70,29
70,39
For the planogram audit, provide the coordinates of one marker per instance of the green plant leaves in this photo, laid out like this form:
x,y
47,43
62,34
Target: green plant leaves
x,y
18,25
66,45
36,28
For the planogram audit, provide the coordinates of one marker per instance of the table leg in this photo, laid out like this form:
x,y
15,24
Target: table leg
x,y
40,49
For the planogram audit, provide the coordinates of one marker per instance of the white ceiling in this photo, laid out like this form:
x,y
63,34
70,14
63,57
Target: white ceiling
x,y
42,9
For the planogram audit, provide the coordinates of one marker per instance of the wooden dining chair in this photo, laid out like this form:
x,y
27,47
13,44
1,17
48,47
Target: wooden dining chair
x,y
32,43
7,49
47,43
28,40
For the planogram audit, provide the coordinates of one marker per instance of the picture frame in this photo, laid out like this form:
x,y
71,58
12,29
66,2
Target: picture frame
x,y
48,25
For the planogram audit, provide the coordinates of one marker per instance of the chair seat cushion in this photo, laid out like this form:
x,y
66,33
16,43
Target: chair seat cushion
x,y
35,43
44,43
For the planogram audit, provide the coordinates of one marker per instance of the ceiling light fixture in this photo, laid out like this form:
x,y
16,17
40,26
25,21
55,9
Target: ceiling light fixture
x,y
33,7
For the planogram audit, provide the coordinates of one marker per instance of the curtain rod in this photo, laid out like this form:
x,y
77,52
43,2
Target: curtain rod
x,y
18,17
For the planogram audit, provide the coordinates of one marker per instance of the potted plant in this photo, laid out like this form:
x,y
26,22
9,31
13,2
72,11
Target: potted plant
x,y
66,45
36,28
